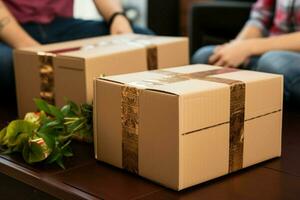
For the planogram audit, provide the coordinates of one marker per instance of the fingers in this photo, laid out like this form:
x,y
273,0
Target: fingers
x,y
228,65
214,58
217,54
217,48
217,59
221,62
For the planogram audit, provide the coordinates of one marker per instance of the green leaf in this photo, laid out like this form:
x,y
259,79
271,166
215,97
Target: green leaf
x,y
2,134
42,105
54,123
66,149
60,163
74,106
63,138
7,151
32,117
87,108
54,111
46,136
55,155
36,150
52,128
49,139
68,154
18,143
44,118
66,145
75,126
17,127
66,109
48,108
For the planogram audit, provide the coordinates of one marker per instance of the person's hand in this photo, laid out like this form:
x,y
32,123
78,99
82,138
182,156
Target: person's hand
x,y
233,54
219,47
120,25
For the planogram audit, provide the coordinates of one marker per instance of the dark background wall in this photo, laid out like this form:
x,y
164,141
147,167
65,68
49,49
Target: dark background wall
x,y
163,16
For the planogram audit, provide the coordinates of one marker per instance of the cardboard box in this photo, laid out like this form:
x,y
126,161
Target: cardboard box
x,y
67,69
182,126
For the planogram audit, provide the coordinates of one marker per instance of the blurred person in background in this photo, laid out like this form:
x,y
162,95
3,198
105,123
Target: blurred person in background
x,y
269,42
26,23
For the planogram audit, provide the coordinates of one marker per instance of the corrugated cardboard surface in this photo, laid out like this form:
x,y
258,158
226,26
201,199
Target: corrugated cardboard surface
x,y
184,126
27,78
105,45
80,61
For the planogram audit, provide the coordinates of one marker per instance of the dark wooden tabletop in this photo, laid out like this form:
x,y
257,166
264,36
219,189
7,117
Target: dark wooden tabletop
x,y
85,178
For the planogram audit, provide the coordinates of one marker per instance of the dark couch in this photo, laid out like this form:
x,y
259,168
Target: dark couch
x,y
216,22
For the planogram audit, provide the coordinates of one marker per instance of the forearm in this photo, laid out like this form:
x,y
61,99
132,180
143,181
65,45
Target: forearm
x,y
287,42
259,21
11,32
108,7
249,32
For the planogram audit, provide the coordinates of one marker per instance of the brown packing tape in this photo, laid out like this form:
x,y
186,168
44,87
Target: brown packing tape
x,y
237,113
141,41
152,62
47,68
236,123
130,128
151,50
46,76
130,115
237,118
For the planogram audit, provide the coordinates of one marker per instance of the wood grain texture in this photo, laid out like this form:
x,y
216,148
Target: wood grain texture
x,y
85,178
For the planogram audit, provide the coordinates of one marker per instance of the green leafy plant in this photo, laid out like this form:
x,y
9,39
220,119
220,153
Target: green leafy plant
x,y
45,136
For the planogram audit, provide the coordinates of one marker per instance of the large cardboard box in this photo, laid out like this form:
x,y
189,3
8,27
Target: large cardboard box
x,y
66,70
186,125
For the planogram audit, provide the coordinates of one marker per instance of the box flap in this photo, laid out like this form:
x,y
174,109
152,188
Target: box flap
x,y
263,90
104,45
160,79
150,80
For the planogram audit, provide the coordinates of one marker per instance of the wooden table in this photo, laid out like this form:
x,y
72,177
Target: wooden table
x,y
85,178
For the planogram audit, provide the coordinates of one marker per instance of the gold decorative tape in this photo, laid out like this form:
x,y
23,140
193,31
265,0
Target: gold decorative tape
x,y
47,77
236,121
130,115
130,127
237,118
237,114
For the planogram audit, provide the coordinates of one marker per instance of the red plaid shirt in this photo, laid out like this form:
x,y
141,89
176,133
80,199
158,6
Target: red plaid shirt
x,y
275,17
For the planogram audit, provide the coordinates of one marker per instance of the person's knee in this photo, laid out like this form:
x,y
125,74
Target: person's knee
x,y
6,61
202,55
287,64
6,69
273,62
6,56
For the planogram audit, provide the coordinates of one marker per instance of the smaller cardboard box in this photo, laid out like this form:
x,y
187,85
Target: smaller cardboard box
x,y
182,126
66,70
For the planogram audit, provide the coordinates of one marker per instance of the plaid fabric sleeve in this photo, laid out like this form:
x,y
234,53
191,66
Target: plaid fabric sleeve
x,y
261,15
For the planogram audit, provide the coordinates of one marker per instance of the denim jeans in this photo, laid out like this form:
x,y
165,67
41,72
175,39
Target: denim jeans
x,y
61,29
286,63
